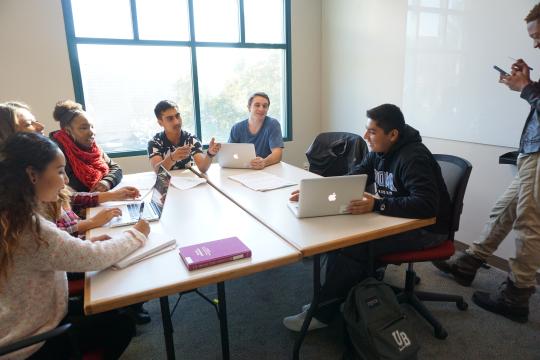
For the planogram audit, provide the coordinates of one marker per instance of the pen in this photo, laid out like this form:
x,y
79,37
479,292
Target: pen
x,y
511,58
141,209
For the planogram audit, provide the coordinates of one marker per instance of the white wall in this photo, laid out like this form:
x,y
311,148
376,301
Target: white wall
x,y
34,67
356,77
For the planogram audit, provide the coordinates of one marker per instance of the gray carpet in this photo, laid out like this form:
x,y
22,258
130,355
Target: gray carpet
x,y
256,305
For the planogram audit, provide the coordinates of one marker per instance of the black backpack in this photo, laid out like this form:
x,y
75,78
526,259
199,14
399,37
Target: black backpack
x,y
376,327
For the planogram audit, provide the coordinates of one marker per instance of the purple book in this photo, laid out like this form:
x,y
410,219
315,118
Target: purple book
x,y
213,252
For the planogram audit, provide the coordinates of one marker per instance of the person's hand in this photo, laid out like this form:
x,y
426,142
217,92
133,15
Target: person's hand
x,y
258,163
100,238
104,216
101,186
519,78
181,153
124,193
143,226
213,147
362,206
295,195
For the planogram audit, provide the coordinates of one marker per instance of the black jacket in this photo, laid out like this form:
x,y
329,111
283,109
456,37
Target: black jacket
x,y
112,178
530,137
409,181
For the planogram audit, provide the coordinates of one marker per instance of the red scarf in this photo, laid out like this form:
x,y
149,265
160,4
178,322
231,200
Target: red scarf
x,y
87,165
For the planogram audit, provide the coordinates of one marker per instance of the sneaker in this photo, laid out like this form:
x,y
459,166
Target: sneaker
x,y
294,323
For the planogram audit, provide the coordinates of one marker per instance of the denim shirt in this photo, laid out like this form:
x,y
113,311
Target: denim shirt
x,y
530,137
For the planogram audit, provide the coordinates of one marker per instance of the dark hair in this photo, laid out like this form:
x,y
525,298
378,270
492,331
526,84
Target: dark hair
x,y
164,105
65,111
8,121
261,94
388,117
534,14
18,208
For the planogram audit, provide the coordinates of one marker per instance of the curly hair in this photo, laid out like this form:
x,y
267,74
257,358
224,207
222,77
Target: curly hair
x,y
534,14
19,206
65,111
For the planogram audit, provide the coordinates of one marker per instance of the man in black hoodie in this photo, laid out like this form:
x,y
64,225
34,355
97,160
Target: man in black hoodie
x,y
408,184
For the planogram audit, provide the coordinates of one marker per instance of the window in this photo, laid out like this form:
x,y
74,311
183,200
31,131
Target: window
x,y
206,55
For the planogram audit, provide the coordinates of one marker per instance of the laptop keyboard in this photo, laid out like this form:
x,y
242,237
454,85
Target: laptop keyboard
x,y
134,210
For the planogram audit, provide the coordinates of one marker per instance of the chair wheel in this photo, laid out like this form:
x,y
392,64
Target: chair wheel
x,y
462,305
417,280
440,333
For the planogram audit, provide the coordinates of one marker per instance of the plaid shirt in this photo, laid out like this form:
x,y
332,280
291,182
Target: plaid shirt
x,y
68,220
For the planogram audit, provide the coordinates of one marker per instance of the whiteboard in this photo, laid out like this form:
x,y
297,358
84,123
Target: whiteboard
x,y
450,89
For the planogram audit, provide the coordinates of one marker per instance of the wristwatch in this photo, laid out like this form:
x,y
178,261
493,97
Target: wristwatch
x,y
379,205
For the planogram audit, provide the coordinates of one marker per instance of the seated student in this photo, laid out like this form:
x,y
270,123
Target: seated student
x,y
262,131
35,255
409,184
87,166
17,117
175,148
24,120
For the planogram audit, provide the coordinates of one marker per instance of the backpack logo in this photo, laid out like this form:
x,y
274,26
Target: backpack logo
x,y
401,339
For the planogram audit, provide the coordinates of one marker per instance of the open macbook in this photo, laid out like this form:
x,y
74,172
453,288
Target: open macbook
x,y
151,210
237,156
328,195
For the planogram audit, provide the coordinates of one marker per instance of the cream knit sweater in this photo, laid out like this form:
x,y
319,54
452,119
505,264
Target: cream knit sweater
x,y
33,297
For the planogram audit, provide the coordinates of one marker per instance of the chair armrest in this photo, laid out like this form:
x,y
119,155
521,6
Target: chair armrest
x,y
17,345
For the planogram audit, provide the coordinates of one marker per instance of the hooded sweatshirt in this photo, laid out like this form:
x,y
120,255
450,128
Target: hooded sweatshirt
x,y
409,181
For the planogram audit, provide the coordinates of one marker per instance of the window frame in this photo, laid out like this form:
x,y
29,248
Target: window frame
x,y
73,41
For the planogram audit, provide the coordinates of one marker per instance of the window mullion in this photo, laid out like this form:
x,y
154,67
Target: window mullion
x,y
242,22
134,21
194,73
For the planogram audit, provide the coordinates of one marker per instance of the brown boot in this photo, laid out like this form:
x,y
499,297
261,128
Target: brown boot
x,y
509,301
461,266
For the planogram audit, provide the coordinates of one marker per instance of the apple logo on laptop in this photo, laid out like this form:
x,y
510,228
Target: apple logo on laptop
x,y
235,156
332,197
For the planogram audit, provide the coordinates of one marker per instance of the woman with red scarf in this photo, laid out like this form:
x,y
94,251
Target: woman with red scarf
x,y
87,166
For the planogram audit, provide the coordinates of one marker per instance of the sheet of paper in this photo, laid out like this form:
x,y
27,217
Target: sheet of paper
x,y
142,181
261,181
156,244
184,183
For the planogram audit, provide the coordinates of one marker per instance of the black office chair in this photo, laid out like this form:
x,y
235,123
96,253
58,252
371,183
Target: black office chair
x,y
62,330
335,153
456,172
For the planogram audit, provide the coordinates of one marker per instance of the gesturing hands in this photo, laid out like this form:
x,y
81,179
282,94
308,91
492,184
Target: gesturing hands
x,y
213,147
519,78
181,153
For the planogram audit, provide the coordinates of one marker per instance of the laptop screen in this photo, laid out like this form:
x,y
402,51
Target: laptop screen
x,y
163,180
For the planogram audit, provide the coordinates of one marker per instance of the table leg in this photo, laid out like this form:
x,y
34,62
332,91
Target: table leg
x,y
313,306
167,327
222,313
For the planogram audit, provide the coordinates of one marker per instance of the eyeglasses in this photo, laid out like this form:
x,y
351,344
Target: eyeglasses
x,y
172,117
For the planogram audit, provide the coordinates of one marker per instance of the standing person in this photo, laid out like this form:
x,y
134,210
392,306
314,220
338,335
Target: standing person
x,y
35,255
87,166
261,130
517,209
175,148
409,184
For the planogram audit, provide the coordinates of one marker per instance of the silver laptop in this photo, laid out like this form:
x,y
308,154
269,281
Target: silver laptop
x,y
238,156
151,210
328,195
